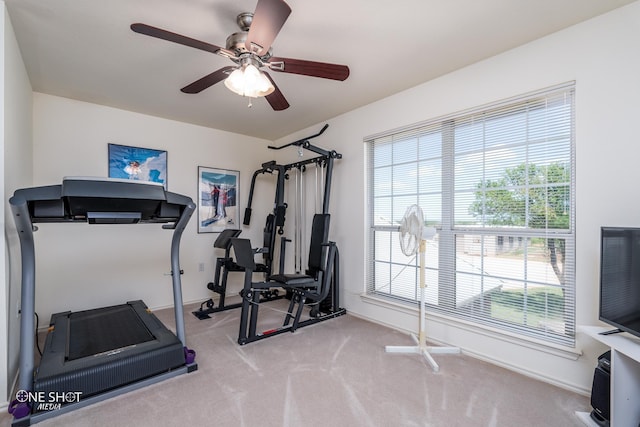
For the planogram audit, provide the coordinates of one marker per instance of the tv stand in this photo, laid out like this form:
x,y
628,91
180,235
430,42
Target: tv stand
x,y
611,332
625,377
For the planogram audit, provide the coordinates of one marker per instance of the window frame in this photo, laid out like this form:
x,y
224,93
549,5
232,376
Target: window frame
x,y
449,230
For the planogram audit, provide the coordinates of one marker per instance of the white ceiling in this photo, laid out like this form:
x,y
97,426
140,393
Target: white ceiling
x,y
85,50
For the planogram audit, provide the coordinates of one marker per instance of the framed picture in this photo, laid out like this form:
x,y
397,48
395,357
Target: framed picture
x,y
218,203
139,164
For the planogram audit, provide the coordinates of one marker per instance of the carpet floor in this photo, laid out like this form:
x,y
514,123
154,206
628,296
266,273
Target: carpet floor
x,y
334,373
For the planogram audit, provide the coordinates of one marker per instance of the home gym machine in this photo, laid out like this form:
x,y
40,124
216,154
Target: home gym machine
x,y
98,353
274,224
319,284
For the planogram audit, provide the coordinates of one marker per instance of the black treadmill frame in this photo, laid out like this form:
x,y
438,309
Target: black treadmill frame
x,y
93,201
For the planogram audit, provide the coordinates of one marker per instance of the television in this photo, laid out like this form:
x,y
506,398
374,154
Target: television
x,y
620,279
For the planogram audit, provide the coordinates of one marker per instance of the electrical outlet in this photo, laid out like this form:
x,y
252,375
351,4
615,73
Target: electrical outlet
x,y
201,266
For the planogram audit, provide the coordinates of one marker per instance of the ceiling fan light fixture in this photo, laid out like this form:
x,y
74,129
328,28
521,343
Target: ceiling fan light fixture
x,y
249,81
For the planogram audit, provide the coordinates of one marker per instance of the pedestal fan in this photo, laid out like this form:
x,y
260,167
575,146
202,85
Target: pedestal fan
x,y
413,237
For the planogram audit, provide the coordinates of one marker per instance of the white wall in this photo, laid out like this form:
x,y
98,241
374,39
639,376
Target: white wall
x,y
80,266
16,172
601,55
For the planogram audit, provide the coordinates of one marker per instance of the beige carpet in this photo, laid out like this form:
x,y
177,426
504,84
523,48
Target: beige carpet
x,y
334,373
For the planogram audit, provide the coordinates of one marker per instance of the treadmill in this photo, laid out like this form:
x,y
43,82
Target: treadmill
x,y
96,354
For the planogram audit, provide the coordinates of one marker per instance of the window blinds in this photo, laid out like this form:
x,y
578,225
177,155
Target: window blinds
x,y
498,184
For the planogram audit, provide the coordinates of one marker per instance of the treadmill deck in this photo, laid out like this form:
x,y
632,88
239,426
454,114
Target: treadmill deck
x,y
97,350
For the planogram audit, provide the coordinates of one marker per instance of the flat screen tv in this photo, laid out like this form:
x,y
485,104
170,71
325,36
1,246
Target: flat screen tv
x,y
620,278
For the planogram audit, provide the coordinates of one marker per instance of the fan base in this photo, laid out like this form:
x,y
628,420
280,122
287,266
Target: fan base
x,y
425,350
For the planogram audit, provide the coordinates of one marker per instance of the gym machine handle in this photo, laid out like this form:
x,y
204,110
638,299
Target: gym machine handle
x,y
247,216
304,142
268,167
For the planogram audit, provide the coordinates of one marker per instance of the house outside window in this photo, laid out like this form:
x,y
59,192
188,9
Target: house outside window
x,y
498,184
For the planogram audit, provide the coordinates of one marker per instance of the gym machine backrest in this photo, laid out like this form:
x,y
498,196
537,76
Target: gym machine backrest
x,y
317,252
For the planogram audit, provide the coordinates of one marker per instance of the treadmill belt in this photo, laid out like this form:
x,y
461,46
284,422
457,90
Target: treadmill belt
x,y
104,329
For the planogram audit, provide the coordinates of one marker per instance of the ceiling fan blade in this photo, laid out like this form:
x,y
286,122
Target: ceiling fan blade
x,y
268,19
159,33
208,80
309,68
276,99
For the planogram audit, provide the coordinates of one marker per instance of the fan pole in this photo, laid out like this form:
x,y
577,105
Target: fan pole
x,y
421,339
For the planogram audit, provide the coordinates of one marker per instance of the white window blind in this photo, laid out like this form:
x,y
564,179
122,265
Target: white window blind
x,y
498,185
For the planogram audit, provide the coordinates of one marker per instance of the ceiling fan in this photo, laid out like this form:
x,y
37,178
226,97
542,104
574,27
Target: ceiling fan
x,y
250,50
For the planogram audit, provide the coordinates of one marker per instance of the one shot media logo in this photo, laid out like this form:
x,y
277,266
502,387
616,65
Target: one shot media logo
x,y
47,401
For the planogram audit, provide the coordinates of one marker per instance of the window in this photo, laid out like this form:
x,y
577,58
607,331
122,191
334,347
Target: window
x,y
498,185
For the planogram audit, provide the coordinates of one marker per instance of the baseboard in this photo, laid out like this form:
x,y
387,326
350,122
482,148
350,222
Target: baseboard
x,y
531,374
